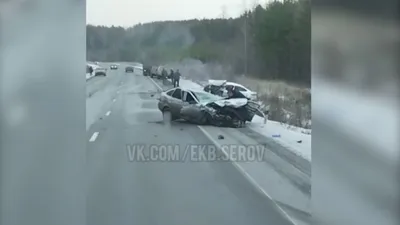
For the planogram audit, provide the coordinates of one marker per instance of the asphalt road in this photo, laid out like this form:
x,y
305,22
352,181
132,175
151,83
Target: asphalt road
x,y
122,112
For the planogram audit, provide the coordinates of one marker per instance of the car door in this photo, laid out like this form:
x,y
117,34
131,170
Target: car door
x,y
176,102
191,108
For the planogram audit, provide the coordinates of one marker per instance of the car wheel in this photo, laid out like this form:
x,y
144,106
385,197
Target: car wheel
x,y
204,120
168,116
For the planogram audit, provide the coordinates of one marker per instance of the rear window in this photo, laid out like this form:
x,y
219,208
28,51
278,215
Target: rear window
x,y
240,88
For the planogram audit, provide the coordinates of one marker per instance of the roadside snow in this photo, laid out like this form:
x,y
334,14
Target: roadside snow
x,y
296,139
289,136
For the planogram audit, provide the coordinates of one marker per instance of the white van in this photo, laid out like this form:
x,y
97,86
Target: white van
x,y
159,72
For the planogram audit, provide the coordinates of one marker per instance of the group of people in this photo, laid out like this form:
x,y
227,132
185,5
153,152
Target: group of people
x,y
174,75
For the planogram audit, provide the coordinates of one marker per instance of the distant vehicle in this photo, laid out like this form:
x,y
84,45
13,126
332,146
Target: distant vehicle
x,y
147,70
129,69
200,107
153,71
100,71
97,63
114,67
219,87
159,72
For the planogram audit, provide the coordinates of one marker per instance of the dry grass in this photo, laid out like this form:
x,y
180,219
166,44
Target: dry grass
x,y
284,103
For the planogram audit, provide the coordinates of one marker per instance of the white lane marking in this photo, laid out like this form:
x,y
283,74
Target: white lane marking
x,y
247,176
114,100
155,83
108,113
94,136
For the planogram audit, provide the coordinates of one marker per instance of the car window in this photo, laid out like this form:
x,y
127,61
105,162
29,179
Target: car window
x,y
170,92
240,88
177,94
189,97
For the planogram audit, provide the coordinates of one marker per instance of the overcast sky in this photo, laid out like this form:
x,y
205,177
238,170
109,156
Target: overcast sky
x,y
130,12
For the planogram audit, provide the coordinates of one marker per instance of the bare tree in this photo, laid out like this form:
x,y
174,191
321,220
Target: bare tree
x,y
223,12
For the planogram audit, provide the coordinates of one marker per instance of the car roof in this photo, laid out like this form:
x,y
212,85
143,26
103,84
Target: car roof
x,y
235,84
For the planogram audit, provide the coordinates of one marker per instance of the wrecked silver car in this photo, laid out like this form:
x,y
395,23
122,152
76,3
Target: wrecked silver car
x,y
200,107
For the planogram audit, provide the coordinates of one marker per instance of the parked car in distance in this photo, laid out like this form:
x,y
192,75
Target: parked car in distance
x,y
129,69
159,72
153,71
100,71
146,70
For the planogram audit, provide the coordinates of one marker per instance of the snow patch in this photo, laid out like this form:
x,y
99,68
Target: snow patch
x,y
296,139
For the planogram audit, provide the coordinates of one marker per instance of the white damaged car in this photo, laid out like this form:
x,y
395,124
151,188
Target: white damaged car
x,y
219,87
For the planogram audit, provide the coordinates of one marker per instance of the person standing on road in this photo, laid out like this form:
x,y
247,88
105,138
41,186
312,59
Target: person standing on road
x,y
171,76
177,76
91,70
164,74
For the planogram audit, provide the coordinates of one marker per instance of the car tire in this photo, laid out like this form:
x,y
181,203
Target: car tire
x,y
205,119
167,115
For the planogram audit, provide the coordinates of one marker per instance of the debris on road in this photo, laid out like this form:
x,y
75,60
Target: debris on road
x,y
276,135
220,137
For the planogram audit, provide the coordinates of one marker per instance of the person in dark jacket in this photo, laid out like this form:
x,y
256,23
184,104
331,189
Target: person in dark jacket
x,y
234,93
177,76
164,75
171,75
91,70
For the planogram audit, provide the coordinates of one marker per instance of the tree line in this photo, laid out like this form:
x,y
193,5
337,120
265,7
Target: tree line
x,y
268,42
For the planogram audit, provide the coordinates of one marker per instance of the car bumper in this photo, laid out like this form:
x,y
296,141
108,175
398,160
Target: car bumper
x,y
160,106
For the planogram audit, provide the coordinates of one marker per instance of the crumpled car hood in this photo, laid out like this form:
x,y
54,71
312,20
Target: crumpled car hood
x,y
234,102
